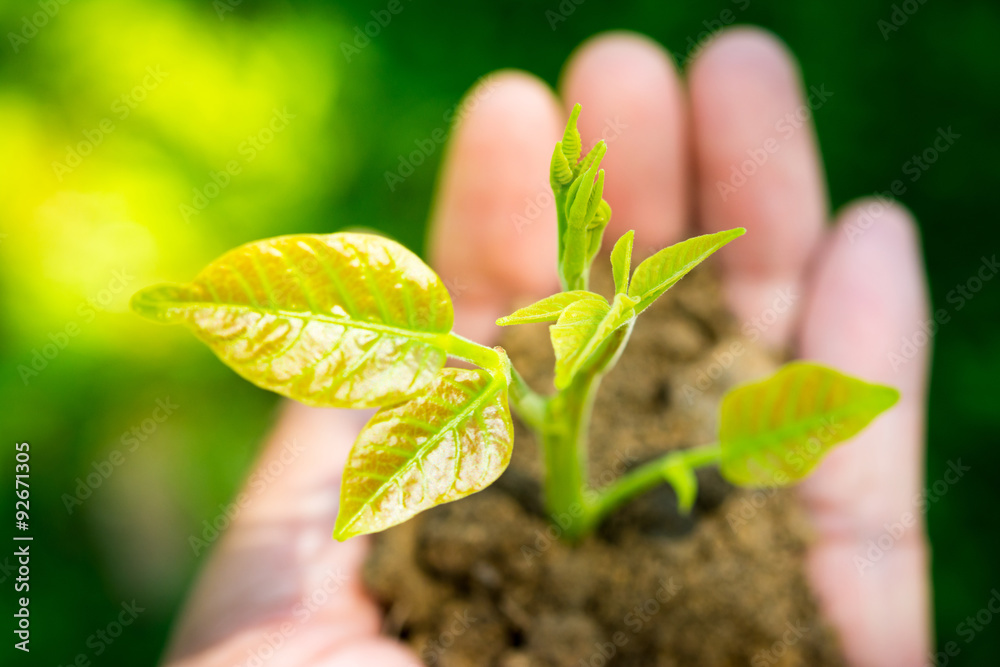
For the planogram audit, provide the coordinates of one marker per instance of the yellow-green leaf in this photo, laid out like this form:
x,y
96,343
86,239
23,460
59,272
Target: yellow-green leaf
x,y
451,441
658,273
548,309
682,478
343,320
775,431
580,331
621,261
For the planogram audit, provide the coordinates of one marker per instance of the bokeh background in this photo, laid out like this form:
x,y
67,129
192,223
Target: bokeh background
x,y
163,95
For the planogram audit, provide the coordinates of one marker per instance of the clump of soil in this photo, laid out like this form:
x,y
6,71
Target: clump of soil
x,y
487,581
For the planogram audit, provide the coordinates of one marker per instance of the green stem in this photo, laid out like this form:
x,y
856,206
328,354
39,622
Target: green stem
x,y
564,442
568,494
646,477
470,351
530,406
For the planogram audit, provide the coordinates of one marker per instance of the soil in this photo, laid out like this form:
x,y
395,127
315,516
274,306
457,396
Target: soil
x,y
487,581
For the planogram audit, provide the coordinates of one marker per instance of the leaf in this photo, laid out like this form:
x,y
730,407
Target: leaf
x,y
685,483
548,309
583,215
572,143
658,273
621,261
447,443
775,431
344,320
581,330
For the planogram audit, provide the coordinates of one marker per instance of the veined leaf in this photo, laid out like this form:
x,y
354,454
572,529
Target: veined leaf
x,y
658,273
580,331
451,441
344,320
548,309
775,431
621,261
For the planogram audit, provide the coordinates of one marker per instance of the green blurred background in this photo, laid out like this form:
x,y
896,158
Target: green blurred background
x,y
199,78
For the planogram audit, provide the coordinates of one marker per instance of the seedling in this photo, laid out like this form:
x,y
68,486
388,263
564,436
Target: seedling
x,y
354,320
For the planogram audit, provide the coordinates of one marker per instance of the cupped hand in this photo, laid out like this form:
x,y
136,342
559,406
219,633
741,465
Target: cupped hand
x,y
733,146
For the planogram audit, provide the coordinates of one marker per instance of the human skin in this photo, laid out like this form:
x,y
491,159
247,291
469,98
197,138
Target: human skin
x,y
277,583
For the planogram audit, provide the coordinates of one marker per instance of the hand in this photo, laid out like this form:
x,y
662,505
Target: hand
x,y
280,589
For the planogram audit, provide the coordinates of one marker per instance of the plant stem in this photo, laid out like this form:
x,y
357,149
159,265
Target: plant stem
x,y
530,406
564,442
470,351
568,495
646,477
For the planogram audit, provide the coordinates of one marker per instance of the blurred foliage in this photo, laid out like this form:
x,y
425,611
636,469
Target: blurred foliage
x,y
117,115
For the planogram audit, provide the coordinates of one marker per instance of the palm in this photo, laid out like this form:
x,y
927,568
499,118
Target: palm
x,y
279,585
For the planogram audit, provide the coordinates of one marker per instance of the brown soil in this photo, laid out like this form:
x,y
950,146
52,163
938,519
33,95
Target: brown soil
x,y
486,581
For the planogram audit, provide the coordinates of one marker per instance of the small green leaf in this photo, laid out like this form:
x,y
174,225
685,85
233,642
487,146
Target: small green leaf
x,y
572,144
581,330
585,194
560,171
447,443
343,320
577,325
621,261
658,273
548,309
583,216
685,483
582,213
775,431
595,154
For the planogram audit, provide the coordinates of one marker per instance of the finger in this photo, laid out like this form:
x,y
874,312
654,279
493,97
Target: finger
x,y
869,294
632,99
493,228
277,557
757,167
277,584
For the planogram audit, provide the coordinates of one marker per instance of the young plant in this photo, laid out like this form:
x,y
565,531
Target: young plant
x,y
355,320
